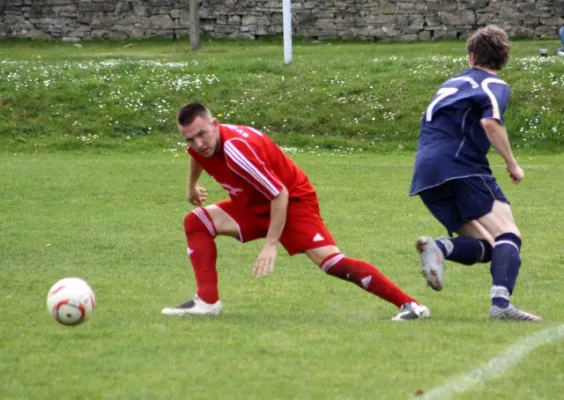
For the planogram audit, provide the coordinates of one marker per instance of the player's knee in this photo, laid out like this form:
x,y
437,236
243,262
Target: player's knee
x,y
500,220
500,226
324,256
510,229
197,221
192,223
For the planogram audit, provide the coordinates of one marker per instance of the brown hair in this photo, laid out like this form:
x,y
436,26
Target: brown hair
x,y
490,46
190,112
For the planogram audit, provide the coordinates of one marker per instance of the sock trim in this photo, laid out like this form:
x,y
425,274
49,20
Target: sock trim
x,y
331,260
483,251
447,243
500,242
500,292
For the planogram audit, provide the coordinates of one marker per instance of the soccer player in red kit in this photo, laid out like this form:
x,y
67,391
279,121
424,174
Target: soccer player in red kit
x,y
269,197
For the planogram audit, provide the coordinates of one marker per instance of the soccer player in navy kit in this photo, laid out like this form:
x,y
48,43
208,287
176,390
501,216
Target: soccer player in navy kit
x,y
453,178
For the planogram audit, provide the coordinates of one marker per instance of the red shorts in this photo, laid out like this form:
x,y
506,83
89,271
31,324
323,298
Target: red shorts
x,y
304,229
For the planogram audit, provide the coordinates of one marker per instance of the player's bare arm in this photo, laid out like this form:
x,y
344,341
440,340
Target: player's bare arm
x,y
195,194
497,134
267,256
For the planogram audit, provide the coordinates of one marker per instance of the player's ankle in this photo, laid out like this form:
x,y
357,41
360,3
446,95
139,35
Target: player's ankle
x,y
500,302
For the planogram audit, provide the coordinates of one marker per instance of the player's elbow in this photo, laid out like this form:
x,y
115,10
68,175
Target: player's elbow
x,y
490,124
282,194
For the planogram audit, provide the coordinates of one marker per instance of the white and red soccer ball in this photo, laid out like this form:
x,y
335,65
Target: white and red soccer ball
x,y
70,301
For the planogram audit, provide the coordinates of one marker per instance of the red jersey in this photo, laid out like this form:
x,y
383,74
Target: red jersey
x,y
252,169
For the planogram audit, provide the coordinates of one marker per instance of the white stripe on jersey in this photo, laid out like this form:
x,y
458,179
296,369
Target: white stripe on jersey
x,y
255,130
467,79
493,99
235,155
241,131
247,166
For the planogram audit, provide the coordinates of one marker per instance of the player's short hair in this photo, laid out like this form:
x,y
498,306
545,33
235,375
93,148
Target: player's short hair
x,y
490,46
191,111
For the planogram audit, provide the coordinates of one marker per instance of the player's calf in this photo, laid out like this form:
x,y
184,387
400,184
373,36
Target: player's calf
x,y
465,250
506,263
372,280
200,234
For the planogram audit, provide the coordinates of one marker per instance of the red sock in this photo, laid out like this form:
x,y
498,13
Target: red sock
x,y
366,276
200,233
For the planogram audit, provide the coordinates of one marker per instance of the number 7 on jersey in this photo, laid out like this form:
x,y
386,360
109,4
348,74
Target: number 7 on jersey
x,y
441,94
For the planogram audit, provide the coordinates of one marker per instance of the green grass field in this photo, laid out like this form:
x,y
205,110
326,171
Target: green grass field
x,y
92,184
116,220
334,94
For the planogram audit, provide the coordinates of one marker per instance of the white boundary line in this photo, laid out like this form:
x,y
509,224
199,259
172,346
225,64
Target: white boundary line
x,y
496,367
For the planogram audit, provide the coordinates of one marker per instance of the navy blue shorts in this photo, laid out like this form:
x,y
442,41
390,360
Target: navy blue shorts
x,y
458,201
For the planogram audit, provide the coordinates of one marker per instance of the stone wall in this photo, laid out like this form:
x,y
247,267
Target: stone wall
x,y
400,20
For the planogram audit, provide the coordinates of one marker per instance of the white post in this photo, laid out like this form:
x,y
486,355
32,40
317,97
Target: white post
x,y
287,18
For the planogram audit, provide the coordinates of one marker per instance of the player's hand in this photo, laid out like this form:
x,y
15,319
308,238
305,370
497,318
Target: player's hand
x,y
265,261
197,195
516,173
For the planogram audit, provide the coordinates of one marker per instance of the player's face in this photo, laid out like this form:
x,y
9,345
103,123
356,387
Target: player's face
x,y
201,135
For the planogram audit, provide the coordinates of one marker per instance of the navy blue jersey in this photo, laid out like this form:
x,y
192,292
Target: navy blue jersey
x,y
452,143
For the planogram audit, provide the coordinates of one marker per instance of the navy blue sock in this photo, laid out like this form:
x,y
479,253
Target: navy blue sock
x,y
465,250
506,261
